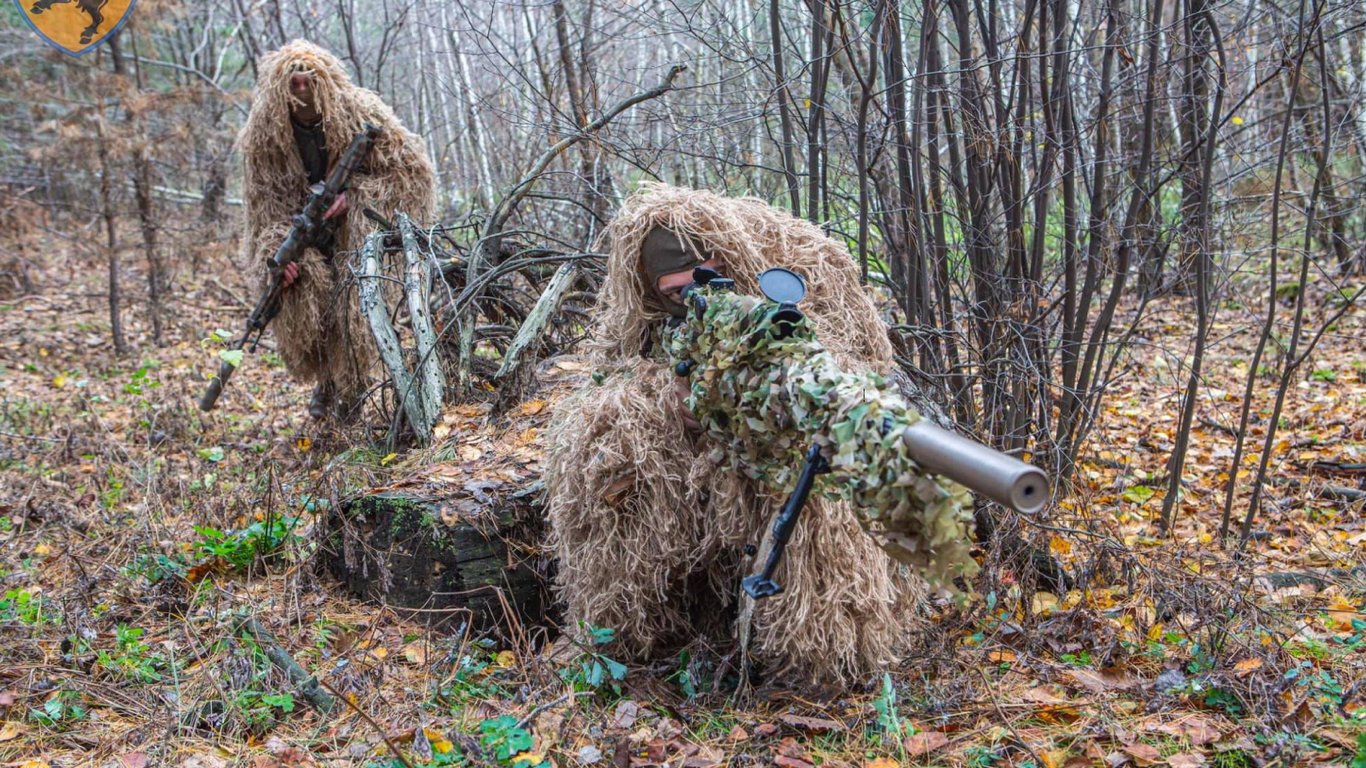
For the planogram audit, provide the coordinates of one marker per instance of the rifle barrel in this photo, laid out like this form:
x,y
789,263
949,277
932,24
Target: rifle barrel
x,y
210,398
1004,479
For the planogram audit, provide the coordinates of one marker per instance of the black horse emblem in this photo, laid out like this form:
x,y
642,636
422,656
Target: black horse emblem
x,y
91,7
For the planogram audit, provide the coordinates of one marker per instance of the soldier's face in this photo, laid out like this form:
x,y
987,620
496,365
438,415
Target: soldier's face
x,y
671,285
301,88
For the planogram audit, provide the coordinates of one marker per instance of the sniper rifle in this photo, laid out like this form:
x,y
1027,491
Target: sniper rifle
x,y
762,385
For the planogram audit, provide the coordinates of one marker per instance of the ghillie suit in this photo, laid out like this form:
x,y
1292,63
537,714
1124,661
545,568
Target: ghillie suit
x,y
649,524
320,330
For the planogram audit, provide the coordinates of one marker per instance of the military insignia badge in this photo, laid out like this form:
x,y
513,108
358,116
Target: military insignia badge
x,y
75,26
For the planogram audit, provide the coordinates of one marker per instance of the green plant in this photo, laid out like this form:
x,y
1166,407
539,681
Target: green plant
x,y
262,711
889,722
28,607
505,739
241,548
688,678
1138,494
1324,374
1359,759
1225,700
131,658
592,670
980,757
155,568
1078,659
1234,758
472,679
140,381
60,710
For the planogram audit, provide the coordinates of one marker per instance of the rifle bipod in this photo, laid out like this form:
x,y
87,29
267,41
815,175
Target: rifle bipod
x,y
761,584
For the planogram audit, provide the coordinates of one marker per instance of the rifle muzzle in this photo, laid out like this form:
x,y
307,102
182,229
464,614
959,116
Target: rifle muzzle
x,y
210,398
1004,479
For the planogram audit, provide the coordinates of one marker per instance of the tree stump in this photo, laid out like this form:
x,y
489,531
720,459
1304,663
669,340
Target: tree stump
x,y
473,557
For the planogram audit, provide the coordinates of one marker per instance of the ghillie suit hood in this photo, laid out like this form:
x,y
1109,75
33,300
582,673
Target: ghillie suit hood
x,y
321,332
649,527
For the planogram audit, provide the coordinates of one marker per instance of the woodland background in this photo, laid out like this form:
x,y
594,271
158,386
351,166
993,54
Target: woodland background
x,y
1123,237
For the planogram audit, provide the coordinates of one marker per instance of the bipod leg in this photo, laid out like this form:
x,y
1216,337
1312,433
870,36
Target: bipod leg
x,y
762,584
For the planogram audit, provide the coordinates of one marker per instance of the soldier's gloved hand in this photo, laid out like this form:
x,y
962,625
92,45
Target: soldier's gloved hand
x,y
291,273
681,391
339,206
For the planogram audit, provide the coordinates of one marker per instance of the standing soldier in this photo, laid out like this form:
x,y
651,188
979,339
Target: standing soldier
x,y
652,532
304,113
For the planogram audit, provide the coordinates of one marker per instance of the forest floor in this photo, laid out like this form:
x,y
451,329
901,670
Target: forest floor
x,y
136,536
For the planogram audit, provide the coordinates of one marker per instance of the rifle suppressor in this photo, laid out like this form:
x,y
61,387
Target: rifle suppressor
x,y
1003,479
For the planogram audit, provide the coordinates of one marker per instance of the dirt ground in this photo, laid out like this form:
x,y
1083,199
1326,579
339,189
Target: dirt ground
x,y
138,537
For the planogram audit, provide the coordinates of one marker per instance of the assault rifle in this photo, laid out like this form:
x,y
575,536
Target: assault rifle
x,y
762,384
309,229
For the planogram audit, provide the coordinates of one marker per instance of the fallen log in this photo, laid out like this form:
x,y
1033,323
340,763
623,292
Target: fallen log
x,y
442,559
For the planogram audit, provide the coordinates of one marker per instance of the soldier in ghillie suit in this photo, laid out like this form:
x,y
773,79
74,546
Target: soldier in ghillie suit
x,y
304,113
650,526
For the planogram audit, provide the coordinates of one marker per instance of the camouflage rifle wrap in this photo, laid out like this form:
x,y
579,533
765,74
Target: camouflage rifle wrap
x,y
765,389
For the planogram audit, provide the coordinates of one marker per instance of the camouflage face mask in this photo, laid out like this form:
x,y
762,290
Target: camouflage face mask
x,y
665,253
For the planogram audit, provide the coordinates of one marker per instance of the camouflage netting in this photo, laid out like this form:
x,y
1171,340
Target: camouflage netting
x,y
650,528
320,330
767,390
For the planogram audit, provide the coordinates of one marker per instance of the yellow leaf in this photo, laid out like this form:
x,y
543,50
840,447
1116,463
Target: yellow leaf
x,y
505,659
1247,666
379,653
58,381
1236,120
10,730
384,462
440,744
1155,632
882,762
531,407
304,444
1001,657
530,758
1059,546
34,764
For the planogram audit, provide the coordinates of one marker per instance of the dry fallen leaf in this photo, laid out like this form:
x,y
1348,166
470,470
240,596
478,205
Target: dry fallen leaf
x,y
924,743
1186,760
1097,682
882,762
415,653
810,724
1197,729
133,760
1143,754
10,730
